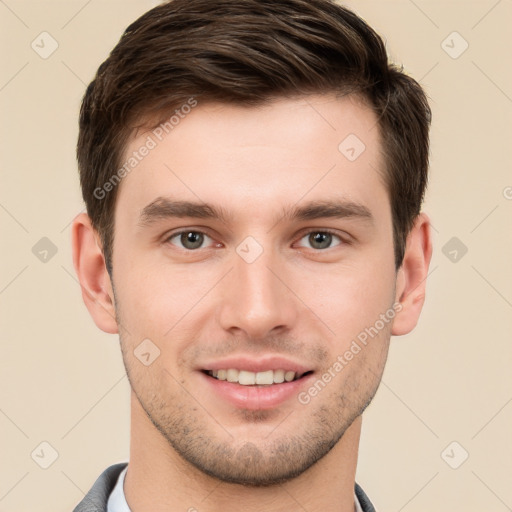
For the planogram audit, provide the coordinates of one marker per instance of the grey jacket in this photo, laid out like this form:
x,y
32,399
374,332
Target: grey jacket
x,y
96,499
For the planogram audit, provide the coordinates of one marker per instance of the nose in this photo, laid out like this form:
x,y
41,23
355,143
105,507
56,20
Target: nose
x,y
256,300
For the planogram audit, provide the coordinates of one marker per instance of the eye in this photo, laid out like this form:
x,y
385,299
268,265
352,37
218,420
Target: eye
x,y
320,240
189,240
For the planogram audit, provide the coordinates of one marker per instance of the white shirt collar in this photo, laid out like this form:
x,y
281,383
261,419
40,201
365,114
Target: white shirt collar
x,y
117,499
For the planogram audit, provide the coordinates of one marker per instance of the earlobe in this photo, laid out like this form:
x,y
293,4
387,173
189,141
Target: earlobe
x,y
412,276
94,280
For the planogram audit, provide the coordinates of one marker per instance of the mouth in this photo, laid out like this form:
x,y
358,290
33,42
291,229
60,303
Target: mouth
x,y
255,383
261,378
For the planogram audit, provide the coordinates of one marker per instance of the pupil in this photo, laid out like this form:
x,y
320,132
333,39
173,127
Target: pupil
x,y
320,240
192,240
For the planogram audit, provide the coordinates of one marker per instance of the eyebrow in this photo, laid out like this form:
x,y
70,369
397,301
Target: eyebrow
x,y
166,208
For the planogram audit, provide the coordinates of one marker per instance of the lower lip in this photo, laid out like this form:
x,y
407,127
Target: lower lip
x,y
256,397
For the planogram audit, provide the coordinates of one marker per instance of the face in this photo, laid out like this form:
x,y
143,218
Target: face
x,y
253,247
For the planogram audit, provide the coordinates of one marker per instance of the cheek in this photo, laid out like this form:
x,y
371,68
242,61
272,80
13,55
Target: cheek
x,y
157,293
166,304
348,299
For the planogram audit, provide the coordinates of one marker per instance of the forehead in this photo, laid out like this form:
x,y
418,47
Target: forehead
x,y
254,159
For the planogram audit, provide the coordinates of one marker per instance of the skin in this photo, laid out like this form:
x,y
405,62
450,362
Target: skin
x,y
190,448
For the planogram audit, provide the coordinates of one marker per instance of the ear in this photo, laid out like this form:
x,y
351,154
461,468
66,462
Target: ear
x,y
92,273
412,276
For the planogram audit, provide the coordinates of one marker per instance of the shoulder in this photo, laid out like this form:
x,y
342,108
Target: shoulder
x,y
97,498
364,501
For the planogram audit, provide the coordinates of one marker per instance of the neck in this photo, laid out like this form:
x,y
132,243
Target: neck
x,y
158,479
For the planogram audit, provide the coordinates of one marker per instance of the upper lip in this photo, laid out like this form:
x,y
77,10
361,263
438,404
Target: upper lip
x,y
260,364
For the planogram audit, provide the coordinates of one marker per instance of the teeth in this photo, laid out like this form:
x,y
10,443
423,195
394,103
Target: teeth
x,y
264,377
289,376
246,378
278,376
232,375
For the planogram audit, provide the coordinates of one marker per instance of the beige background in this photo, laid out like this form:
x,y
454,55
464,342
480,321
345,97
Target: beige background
x,y
62,380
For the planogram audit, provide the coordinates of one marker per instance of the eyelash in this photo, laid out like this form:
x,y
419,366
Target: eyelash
x,y
342,241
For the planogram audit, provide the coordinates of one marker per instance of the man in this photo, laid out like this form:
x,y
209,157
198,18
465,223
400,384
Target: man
x,y
253,173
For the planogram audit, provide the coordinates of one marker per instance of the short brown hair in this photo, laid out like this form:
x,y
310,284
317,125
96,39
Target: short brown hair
x,y
248,52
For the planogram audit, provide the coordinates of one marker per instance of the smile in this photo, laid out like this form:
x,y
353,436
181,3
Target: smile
x,y
262,378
